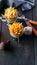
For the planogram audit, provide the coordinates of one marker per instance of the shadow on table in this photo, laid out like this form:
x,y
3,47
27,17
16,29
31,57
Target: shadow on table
x,y
24,40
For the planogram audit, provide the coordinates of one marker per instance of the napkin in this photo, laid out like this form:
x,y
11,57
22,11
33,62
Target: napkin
x,y
23,4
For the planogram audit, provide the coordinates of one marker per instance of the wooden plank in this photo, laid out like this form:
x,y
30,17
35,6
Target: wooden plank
x,y
35,11
35,38
22,55
0,30
35,48
5,32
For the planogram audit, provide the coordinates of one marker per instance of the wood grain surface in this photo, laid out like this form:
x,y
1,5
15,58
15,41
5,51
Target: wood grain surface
x,y
24,53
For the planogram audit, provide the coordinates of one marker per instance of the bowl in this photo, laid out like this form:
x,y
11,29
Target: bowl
x,y
16,36
12,20
16,29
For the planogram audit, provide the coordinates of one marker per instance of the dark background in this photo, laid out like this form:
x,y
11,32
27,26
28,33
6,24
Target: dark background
x,y
26,52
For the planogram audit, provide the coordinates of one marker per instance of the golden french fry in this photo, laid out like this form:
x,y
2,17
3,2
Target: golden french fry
x,y
10,13
16,28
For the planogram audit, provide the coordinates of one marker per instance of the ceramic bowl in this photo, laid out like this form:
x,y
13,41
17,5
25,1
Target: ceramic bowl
x,y
16,36
12,20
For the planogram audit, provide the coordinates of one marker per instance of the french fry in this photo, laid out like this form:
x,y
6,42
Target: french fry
x,y
16,28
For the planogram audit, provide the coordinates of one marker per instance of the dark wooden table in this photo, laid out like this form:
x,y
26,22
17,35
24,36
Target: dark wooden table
x,y
26,52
